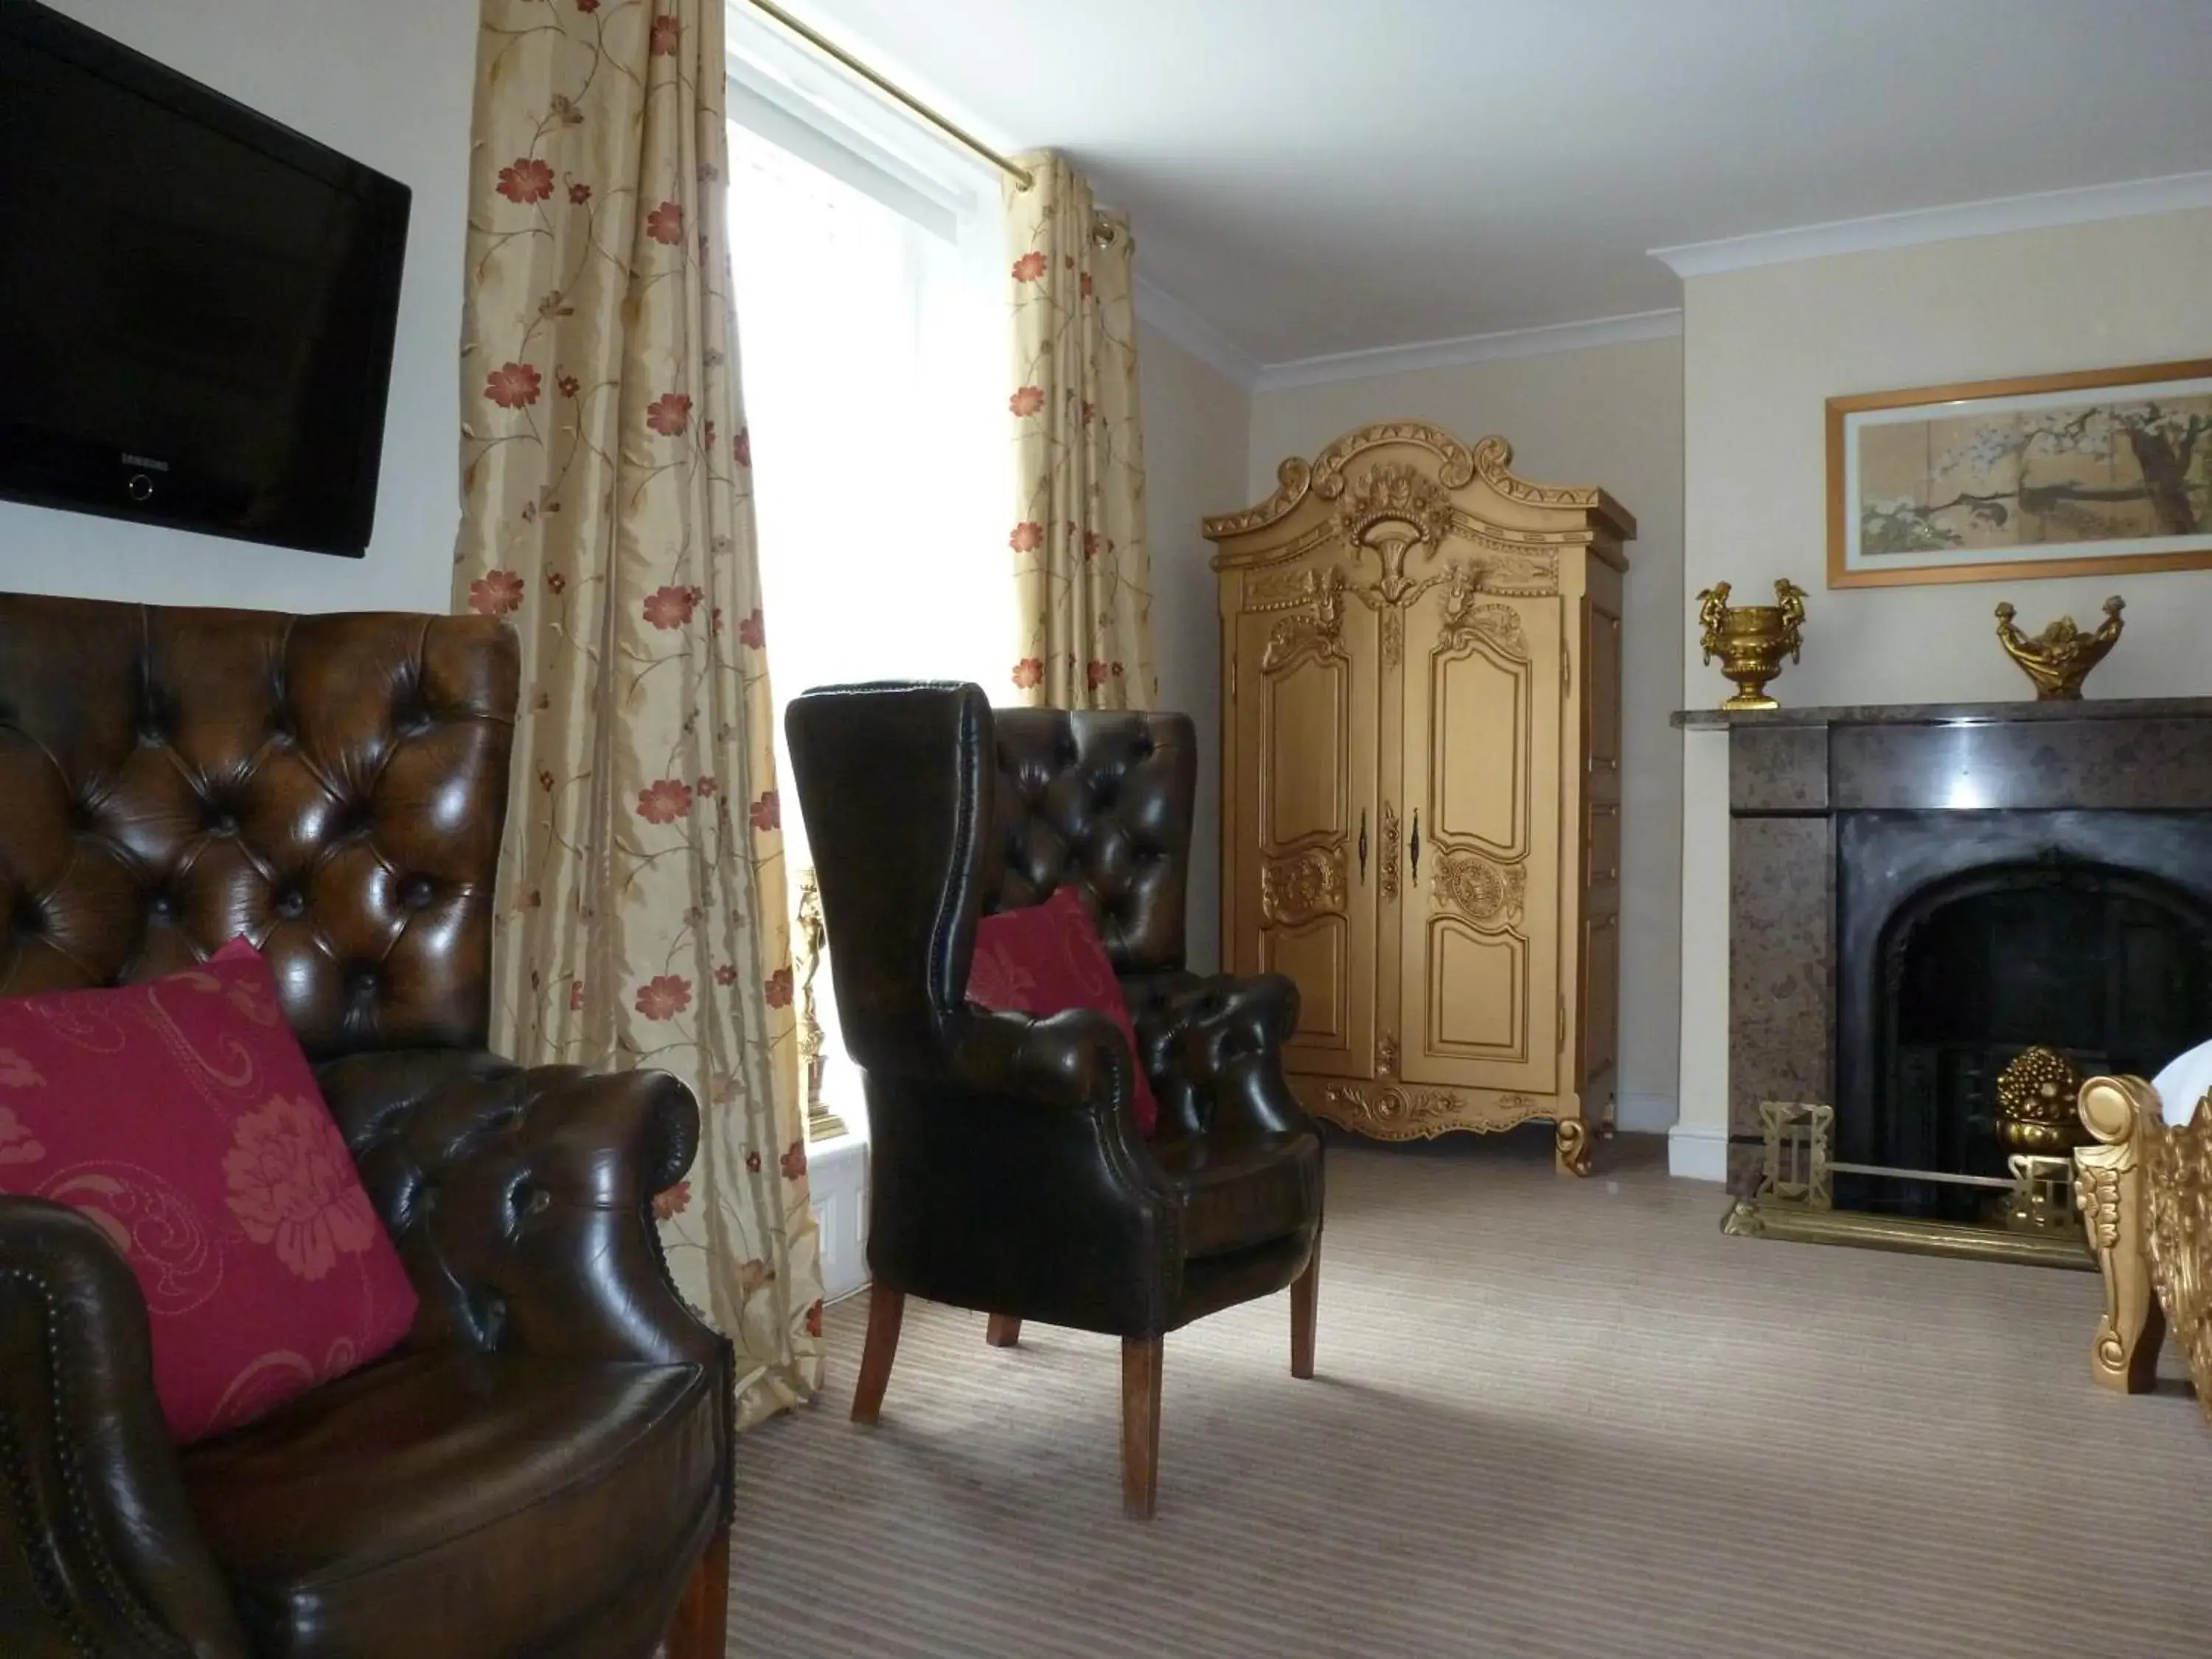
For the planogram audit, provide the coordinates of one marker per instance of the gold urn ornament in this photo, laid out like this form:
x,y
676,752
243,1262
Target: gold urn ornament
x,y
2037,1093
1750,639
2060,658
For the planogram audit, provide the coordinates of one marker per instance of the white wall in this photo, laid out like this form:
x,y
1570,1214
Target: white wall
x,y
1196,421
1610,416
388,84
1764,349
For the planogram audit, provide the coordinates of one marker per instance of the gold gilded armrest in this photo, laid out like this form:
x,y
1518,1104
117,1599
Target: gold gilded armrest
x,y
2123,1114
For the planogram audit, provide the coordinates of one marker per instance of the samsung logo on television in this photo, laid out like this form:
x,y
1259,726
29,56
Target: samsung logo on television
x,y
129,459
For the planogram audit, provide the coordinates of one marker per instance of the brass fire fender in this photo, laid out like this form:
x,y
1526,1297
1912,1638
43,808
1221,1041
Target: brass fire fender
x,y
1420,699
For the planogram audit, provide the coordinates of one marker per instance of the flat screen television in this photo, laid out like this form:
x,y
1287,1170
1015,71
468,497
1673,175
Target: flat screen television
x,y
196,304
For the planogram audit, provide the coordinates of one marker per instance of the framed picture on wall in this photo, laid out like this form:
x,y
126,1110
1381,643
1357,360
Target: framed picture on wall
x,y
2055,474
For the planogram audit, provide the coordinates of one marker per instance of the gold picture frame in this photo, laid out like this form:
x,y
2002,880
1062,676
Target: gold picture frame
x,y
2018,479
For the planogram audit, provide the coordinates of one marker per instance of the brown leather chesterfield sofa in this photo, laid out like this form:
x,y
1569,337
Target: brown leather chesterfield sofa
x,y
543,1467
1006,1171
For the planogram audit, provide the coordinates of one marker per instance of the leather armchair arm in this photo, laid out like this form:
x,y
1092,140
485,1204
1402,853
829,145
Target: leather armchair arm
x,y
521,1199
1212,1045
1011,1177
100,1553
1075,1059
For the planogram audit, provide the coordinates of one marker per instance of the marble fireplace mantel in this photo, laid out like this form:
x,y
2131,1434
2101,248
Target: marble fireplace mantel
x,y
1945,714
2073,781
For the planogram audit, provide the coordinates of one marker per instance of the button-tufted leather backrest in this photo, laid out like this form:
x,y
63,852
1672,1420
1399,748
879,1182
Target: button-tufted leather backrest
x,y
1104,800
333,788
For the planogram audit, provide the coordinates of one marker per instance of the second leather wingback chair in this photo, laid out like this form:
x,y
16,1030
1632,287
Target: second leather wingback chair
x,y
543,1466
1006,1171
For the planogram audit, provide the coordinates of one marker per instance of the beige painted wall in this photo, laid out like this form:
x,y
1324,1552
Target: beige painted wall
x,y
1609,416
1764,349
1196,422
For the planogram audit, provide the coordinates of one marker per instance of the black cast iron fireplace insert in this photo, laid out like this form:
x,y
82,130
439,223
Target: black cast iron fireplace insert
x,y
1965,937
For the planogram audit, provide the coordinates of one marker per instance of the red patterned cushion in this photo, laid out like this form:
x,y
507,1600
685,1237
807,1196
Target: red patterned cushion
x,y
1046,958
181,1116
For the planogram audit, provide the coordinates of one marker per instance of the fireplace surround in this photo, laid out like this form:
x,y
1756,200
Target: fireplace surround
x,y
1919,891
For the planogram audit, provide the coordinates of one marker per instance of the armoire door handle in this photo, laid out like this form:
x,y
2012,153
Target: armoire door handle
x,y
1413,846
1363,847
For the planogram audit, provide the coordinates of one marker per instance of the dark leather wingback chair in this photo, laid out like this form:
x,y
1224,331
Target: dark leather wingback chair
x,y
542,1468
1006,1173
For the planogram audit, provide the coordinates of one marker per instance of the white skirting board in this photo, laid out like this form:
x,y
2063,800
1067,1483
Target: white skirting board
x,y
1697,1154
837,1184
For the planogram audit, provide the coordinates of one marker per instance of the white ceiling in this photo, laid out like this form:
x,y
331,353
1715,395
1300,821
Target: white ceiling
x,y
1314,178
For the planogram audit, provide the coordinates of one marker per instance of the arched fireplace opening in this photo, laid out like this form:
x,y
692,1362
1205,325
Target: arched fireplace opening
x,y
2111,967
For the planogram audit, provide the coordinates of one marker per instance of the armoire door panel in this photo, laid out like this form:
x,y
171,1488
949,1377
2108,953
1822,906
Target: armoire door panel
x,y
1478,938
1308,720
1600,991
1314,956
1305,731
1601,710
1479,712
1601,852
1478,995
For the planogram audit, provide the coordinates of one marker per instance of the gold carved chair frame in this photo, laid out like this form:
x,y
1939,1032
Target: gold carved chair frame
x,y
2145,1191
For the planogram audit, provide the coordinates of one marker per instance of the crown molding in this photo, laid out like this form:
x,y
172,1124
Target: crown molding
x,y
1167,315
2177,193
1470,349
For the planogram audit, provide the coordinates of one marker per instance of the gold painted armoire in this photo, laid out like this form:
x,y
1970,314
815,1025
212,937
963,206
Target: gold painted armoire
x,y
1420,802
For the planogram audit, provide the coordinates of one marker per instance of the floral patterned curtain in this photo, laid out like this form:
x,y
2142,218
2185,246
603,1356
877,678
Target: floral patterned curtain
x,y
1082,579
608,513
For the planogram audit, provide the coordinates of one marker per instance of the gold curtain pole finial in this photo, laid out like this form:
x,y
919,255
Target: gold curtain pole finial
x,y
1021,176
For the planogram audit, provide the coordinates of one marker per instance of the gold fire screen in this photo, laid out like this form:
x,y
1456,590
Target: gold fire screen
x,y
2030,1217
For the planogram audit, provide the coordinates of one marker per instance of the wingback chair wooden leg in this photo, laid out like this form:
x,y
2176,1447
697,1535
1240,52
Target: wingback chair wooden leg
x,y
1305,1299
1140,1424
886,1312
1003,1332
700,1629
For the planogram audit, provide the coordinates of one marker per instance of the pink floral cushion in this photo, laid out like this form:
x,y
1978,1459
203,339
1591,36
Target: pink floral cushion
x,y
181,1117
1046,958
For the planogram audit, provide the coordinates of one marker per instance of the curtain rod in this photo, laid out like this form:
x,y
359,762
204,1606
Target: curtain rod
x,y
1021,176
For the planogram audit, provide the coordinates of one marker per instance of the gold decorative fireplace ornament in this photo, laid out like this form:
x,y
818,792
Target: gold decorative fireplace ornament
x,y
2060,658
2037,1095
1750,639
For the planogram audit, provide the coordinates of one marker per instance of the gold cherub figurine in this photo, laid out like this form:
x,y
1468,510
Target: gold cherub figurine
x,y
2060,658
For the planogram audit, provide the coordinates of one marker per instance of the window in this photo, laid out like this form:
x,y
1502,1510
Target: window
x,y
867,261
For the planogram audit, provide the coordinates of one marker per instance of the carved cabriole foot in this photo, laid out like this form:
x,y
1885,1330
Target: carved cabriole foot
x,y
1573,1146
2121,1112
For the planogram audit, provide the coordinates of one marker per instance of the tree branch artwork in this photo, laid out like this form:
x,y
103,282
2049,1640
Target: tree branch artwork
x,y
2153,481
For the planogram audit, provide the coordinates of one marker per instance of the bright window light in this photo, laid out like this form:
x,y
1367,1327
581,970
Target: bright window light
x,y
872,346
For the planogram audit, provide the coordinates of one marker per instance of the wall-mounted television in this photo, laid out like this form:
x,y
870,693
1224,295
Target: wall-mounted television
x,y
196,304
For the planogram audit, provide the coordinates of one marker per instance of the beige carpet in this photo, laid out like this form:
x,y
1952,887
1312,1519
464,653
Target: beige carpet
x,y
1551,1417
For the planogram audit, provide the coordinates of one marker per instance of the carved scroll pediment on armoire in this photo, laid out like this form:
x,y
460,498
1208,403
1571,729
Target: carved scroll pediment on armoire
x,y
1420,811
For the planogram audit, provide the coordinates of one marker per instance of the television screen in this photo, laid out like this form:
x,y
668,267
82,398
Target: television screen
x,y
196,304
